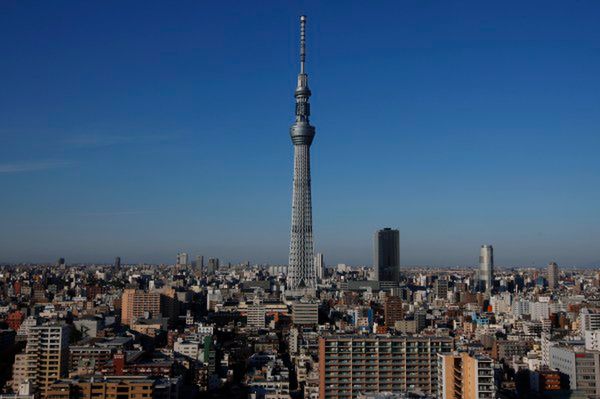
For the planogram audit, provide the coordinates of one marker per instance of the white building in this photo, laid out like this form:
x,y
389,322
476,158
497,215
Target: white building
x,y
539,310
189,348
592,340
520,307
320,266
256,314
588,321
582,367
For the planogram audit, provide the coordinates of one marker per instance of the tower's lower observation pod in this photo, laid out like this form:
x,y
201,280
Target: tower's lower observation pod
x,y
301,272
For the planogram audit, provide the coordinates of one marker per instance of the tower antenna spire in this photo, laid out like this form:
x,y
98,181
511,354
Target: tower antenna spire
x,y
302,42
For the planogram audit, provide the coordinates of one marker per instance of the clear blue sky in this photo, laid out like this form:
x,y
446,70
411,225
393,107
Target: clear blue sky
x,y
144,128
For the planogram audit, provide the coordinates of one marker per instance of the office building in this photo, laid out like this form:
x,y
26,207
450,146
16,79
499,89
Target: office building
x,y
464,376
117,262
386,255
182,259
440,289
552,275
486,268
213,265
199,262
301,274
582,367
350,366
320,266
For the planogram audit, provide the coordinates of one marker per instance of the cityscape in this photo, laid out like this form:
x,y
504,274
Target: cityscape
x,y
204,326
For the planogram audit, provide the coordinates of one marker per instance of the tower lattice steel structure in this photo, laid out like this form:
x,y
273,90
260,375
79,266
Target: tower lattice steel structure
x,y
301,273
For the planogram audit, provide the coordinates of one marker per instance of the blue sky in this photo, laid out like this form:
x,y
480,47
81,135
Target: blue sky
x,y
140,129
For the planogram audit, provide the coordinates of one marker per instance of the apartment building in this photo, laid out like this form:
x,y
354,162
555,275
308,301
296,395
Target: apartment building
x,y
464,376
506,349
256,314
88,359
393,311
351,366
119,387
45,359
305,313
139,303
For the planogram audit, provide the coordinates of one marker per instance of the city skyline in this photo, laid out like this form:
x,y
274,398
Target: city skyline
x,y
147,248
135,143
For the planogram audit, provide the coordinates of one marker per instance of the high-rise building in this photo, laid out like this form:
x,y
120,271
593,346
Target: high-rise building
x,y
486,268
118,262
465,376
393,311
199,262
139,303
256,314
386,255
420,317
367,365
45,359
60,262
552,275
182,259
320,266
301,273
213,265
440,288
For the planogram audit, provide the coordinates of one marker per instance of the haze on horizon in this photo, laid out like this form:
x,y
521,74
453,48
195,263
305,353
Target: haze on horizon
x,y
164,128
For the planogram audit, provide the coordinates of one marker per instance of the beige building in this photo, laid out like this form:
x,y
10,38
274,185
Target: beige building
x,y
45,359
119,387
462,376
139,303
255,316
